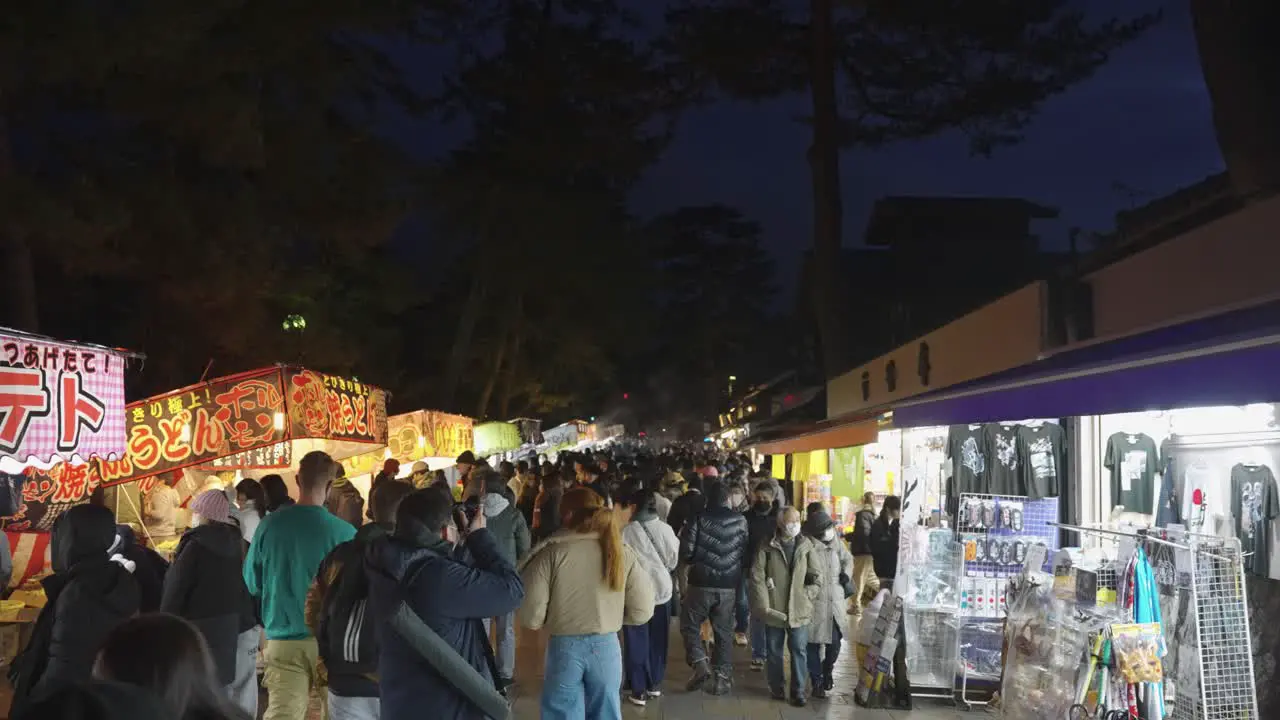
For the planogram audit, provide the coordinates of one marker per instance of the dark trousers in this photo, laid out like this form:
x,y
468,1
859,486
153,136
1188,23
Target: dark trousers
x,y
820,667
644,654
717,606
742,617
797,641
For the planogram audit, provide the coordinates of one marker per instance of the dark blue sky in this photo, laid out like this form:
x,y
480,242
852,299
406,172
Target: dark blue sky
x,y
1137,130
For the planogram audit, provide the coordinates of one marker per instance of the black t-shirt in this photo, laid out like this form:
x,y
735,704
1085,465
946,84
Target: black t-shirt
x,y
968,464
1133,461
1000,447
1042,456
1254,507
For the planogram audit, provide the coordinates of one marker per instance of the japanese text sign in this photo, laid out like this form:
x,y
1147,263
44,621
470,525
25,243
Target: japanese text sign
x,y
59,400
335,408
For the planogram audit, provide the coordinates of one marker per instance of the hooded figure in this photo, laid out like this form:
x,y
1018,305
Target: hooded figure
x,y
148,570
833,567
344,500
206,582
89,594
508,528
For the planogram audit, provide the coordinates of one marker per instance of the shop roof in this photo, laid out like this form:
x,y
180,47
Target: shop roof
x,y
1225,359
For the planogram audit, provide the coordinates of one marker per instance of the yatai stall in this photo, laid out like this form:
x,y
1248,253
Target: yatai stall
x,y
248,425
431,437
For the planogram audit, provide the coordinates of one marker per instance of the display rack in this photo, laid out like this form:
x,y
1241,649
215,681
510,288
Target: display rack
x,y
1201,584
1013,524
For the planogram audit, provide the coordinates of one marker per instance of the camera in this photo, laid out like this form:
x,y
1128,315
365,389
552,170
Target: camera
x,y
465,512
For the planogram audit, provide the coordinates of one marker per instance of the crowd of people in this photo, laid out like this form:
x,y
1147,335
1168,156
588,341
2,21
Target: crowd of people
x,y
416,598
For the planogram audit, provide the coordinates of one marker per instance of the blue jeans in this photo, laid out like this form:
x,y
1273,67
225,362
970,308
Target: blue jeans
x,y
797,641
645,651
743,613
820,667
504,650
759,645
582,677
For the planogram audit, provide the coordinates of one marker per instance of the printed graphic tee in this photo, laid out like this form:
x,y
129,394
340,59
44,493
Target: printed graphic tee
x,y
1254,506
968,462
1196,481
1042,456
1132,460
1000,445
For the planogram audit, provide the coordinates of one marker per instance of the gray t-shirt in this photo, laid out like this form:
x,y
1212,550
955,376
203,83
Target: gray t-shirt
x,y
1132,460
1254,507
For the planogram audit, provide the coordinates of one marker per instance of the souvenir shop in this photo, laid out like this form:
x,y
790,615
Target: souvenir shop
x,y
1119,547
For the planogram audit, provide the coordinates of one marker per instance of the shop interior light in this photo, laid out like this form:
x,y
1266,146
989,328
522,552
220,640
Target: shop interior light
x,y
422,441
277,421
185,435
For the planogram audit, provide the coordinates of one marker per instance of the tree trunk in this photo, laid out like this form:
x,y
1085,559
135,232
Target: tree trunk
x,y
1241,65
824,167
505,335
462,341
509,374
20,270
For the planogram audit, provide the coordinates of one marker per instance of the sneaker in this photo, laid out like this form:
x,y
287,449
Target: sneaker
x,y
701,674
828,683
819,693
637,700
722,686
740,639
798,702
653,693
757,665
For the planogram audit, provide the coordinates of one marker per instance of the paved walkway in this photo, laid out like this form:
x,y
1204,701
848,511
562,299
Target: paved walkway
x,y
749,700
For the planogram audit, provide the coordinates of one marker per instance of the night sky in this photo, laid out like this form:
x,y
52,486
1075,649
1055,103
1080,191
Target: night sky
x,y
1138,130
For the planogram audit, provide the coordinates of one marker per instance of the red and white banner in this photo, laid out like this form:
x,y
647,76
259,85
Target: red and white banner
x,y
59,400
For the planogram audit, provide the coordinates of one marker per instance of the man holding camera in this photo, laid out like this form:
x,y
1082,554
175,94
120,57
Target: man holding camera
x,y
431,601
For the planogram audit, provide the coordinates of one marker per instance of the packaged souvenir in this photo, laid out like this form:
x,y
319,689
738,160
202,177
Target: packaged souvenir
x,y
1136,648
988,513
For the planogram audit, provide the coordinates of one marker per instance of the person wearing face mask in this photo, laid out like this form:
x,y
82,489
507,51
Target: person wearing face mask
x,y
508,528
884,540
762,524
832,564
783,580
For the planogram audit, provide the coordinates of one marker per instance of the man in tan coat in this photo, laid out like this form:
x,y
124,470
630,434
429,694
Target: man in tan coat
x,y
784,583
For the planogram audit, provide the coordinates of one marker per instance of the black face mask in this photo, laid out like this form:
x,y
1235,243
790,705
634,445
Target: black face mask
x,y
762,507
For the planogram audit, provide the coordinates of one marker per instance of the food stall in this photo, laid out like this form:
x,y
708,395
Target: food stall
x,y
496,439
62,408
430,436
250,424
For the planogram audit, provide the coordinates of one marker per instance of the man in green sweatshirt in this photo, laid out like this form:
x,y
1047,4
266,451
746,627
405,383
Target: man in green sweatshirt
x,y
279,569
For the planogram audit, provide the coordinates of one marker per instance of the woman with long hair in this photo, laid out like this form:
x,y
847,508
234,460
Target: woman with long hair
x,y
167,655
276,491
583,585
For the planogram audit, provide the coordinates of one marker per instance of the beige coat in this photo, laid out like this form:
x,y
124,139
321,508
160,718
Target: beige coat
x,y
829,608
778,592
160,508
564,590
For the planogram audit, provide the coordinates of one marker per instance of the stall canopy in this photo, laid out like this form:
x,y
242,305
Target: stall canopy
x,y
1229,359
414,436
496,437
838,433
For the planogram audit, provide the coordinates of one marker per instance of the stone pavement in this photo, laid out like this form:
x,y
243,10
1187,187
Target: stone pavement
x,y
749,700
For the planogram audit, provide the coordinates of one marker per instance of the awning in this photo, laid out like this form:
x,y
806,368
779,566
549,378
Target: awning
x,y
1230,359
824,437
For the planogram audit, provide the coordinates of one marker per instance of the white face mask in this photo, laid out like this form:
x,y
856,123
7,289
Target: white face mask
x,y
829,535
196,520
790,530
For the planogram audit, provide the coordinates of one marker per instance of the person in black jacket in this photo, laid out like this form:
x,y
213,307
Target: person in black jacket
x,y
685,507
337,612
149,567
88,594
762,523
206,586
714,546
884,540
865,582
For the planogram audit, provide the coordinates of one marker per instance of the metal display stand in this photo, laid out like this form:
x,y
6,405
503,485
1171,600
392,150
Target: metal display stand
x,y
994,546
1201,586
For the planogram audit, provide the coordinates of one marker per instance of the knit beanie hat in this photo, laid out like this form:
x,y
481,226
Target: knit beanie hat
x,y
212,505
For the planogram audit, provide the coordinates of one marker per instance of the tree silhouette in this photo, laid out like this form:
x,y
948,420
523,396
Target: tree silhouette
x,y
878,71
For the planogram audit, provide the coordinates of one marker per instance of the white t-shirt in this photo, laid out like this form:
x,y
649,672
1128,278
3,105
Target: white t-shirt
x,y
1196,477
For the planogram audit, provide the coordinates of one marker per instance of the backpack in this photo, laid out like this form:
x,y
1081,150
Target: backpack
x,y
346,633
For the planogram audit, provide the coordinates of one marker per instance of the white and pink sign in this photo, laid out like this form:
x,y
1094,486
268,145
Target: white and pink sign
x,y
59,401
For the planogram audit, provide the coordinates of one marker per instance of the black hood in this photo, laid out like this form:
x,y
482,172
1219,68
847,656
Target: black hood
x,y
109,583
85,532
218,538
98,701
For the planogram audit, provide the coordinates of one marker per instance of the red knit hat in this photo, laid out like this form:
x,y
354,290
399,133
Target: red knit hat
x,y
391,466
